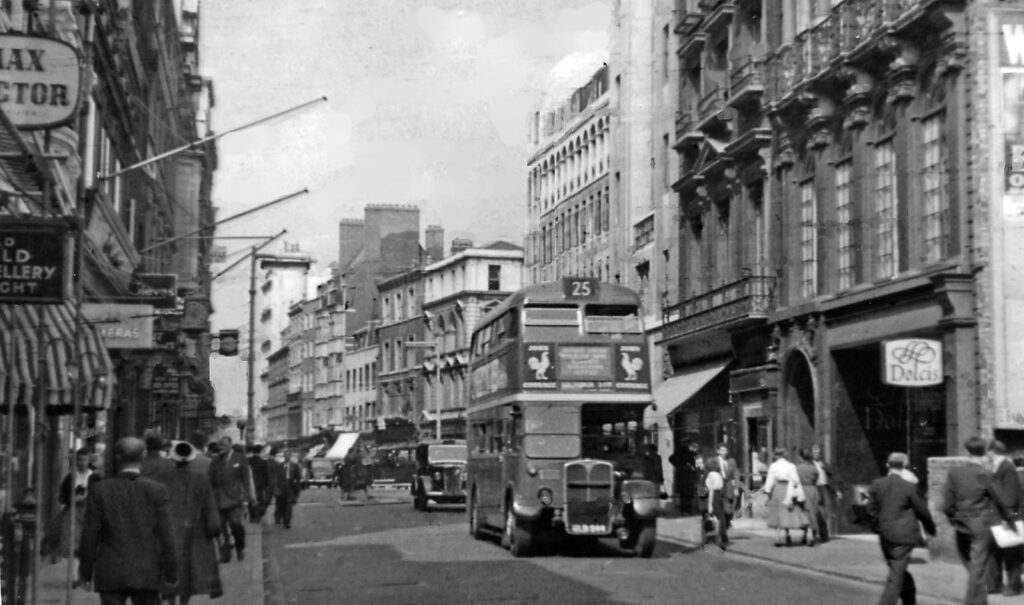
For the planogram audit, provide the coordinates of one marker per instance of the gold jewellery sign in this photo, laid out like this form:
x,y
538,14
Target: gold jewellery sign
x,y
912,362
35,261
40,80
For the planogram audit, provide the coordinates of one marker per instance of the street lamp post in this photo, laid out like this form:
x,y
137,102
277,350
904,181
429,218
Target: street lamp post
x,y
436,348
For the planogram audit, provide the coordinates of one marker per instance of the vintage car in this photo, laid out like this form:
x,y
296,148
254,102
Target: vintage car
x,y
321,473
440,474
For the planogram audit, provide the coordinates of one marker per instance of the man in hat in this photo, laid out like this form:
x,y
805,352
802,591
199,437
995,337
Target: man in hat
x,y
232,487
127,549
154,460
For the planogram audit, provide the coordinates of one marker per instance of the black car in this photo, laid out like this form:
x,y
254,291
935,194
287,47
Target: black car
x,y
440,474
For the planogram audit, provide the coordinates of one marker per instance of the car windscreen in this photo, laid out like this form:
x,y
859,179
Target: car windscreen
x,y
551,431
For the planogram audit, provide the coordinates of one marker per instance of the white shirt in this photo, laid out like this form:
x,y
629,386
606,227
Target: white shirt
x,y
822,479
780,470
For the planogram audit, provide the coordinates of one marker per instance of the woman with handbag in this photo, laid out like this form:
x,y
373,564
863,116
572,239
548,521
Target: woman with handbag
x,y
808,473
783,488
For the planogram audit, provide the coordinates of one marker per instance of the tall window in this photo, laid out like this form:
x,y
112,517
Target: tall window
x,y
808,240
844,225
934,189
886,208
494,277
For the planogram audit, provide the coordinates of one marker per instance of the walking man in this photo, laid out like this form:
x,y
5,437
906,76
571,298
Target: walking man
x,y
827,492
895,508
154,461
127,549
1007,485
289,484
971,506
232,487
727,468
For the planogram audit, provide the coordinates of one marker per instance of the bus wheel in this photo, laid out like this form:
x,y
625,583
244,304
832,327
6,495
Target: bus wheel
x,y
645,541
475,527
518,539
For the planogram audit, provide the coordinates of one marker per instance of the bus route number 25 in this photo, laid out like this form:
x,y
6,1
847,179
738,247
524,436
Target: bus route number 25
x,y
579,287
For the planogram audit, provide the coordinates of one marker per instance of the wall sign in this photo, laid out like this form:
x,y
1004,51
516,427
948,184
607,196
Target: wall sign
x,y
912,362
157,289
40,81
35,262
121,326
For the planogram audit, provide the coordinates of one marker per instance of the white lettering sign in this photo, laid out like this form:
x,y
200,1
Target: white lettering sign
x,y
912,362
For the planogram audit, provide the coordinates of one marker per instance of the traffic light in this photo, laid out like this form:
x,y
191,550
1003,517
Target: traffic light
x,y
228,343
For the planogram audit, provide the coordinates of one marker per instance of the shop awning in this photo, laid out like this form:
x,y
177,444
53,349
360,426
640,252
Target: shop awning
x,y
677,390
341,446
312,453
445,415
44,335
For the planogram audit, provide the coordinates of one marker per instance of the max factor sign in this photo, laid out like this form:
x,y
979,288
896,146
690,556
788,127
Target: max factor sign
x,y
33,263
39,80
912,362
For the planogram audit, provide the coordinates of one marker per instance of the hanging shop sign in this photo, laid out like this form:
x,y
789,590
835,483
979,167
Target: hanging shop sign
x,y
40,81
912,362
157,289
121,326
35,261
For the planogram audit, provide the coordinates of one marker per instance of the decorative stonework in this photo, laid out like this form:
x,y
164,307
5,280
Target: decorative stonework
x,y
953,57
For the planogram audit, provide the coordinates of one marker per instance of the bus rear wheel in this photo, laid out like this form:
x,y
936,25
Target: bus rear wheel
x,y
517,538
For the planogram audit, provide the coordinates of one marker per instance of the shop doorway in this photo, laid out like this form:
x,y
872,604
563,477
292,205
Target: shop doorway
x,y
798,403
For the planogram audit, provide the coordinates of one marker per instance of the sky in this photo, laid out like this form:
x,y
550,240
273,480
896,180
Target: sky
x,y
428,103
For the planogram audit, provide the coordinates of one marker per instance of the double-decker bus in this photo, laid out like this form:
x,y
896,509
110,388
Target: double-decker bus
x,y
555,431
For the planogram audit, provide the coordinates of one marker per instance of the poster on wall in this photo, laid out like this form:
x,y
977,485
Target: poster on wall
x,y
912,362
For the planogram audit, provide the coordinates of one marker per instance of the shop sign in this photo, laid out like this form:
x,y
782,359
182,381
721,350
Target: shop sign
x,y
40,81
121,326
35,263
912,362
157,289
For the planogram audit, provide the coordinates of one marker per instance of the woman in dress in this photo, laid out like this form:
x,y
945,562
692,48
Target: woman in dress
x,y
808,473
712,504
781,486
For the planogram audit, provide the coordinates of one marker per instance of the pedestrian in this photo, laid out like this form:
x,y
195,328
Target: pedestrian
x,y
730,489
758,469
1007,485
232,487
74,488
350,467
808,473
972,508
828,490
713,505
366,471
127,549
275,470
652,468
687,476
260,482
895,509
288,479
201,463
195,525
782,484
154,461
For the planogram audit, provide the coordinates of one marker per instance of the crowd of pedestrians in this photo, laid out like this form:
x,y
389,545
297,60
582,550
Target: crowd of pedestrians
x,y
158,529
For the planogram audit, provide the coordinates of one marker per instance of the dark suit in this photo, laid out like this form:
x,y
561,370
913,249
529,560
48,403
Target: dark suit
x,y
895,508
972,510
287,479
127,548
154,463
231,481
1006,483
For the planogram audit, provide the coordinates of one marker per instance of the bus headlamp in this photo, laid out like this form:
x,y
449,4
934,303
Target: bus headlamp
x,y
545,496
531,470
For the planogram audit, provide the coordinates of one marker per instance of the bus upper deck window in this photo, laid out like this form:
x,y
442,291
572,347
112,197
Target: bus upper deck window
x,y
611,319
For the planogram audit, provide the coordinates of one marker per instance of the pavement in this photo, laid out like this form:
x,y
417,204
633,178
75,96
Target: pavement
x,y
242,580
855,558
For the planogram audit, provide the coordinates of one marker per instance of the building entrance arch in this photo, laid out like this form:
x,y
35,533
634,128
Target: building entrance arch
x,y
797,396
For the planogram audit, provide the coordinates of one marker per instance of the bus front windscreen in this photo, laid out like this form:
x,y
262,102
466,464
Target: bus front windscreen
x,y
551,431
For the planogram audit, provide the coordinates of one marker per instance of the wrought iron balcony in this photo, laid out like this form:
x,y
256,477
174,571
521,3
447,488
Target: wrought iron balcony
x,y
749,299
746,82
686,131
712,103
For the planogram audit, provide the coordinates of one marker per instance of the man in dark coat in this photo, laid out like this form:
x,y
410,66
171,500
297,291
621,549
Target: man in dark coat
x,y
154,460
232,487
972,508
288,484
260,481
687,476
127,548
196,525
895,508
1006,483
275,471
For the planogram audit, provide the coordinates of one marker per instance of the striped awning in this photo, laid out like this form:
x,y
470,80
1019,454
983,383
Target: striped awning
x,y
37,351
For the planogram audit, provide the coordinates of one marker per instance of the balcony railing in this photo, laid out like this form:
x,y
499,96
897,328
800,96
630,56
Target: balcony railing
x,y
685,125
748,298
851,27
747,79
712,103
